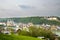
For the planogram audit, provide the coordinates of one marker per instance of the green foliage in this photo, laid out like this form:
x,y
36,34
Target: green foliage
x,y
36,32
14,37
18,31
59,38
25,33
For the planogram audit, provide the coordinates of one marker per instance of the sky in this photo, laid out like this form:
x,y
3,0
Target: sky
x,y
25,8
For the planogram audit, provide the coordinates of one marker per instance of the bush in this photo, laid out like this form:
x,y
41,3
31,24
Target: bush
x,y
37,32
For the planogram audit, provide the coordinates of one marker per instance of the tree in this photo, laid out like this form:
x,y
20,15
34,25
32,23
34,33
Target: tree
x,y
18,31
35,32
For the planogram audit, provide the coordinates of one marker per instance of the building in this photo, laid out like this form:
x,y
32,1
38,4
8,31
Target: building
x,y
10,23
52,18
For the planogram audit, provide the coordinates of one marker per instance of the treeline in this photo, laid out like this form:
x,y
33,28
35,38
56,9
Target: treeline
x,y
34,20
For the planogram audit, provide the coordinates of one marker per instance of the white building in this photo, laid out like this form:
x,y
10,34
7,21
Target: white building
x,y
52,18
10,23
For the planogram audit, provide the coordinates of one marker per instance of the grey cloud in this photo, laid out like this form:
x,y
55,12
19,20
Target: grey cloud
x,y
26,7
10,8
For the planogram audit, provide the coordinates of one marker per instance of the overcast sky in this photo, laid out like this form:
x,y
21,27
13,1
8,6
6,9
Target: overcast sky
x,y
22,8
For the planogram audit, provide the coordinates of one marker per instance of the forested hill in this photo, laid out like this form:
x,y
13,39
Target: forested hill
x,y
35,20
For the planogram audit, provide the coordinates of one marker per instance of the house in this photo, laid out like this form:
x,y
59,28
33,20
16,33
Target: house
x,y
3,23
52,18
53,27
58,27
6,31
30,24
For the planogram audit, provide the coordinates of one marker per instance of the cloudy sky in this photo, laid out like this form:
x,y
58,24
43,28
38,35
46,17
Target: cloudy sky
x,y
23,8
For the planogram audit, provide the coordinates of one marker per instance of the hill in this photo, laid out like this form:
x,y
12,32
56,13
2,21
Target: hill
x,y
15,37
34,20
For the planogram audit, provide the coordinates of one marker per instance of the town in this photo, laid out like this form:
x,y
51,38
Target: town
x,y
24,26
10,25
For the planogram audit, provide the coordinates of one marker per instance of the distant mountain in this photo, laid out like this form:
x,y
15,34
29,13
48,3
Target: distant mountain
x,y
35,20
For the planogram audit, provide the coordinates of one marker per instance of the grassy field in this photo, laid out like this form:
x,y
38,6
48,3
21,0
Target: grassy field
x,y
15,37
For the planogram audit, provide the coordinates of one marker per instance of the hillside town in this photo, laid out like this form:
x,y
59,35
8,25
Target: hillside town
x,y
10,25
5,27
